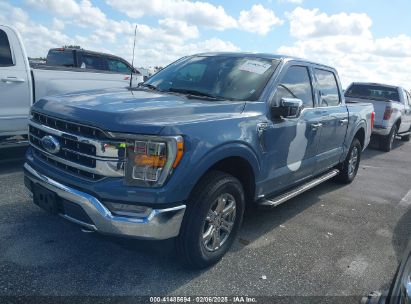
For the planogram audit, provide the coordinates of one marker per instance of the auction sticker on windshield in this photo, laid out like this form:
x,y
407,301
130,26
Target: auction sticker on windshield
x,y
255,66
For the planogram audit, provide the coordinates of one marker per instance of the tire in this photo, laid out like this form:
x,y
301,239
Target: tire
x,y
405,137
348,169
387,141
203,214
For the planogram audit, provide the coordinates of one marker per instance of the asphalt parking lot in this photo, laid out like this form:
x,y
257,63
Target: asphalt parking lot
x,y
331,241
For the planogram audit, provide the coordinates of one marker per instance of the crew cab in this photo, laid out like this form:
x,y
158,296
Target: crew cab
x,y
21,84
392,105
85,59
181,155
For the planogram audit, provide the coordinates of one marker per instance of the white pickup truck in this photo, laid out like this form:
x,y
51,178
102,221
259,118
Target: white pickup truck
x,y
21,84
392,105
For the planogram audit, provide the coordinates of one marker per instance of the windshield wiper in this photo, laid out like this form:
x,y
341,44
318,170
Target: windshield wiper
x,y
150,86
193,93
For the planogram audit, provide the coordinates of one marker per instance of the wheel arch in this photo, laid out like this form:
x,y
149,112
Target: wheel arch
x,y
238,160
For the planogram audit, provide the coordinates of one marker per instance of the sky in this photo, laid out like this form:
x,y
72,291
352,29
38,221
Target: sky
x,y
367,40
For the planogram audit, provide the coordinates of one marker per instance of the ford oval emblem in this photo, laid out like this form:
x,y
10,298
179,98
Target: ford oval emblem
x,y
50,144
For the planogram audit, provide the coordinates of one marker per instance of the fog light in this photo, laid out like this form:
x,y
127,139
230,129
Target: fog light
x,y
128,209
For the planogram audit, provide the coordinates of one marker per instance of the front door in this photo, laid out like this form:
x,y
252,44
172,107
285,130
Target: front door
x,y
291,143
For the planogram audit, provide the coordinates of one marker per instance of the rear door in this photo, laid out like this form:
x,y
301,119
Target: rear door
x,y
15,94
334,119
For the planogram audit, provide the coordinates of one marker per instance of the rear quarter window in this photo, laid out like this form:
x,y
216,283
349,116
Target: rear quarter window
x,y
6,59
60,58
89,61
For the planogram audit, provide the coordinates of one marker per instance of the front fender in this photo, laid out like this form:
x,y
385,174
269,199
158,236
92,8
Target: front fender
x,y
234,149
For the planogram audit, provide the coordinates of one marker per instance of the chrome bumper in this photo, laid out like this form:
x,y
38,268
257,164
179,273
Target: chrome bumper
x,y
158,225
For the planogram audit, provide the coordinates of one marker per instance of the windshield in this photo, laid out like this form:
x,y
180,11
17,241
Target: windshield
x,y
368,91
219,77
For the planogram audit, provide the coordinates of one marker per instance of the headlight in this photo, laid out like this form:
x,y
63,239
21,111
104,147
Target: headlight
x,y
151,159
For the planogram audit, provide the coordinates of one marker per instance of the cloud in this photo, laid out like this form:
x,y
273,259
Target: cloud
x,y
198,13
155,45
258,20
202,14
306,23
58,24
83,12
345,41
38,38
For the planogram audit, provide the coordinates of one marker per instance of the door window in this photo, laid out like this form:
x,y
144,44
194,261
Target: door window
x,y
295,84
5,52
328,88
118,66
60,57
89,61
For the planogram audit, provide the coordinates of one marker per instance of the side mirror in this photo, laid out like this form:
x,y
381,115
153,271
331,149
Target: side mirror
x,y
288,108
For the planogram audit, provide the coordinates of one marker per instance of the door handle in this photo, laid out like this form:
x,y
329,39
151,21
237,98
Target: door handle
x,y
12,79
343,121
316,126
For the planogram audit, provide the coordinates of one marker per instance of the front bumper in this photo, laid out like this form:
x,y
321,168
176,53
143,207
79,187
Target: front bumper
x,y
158,225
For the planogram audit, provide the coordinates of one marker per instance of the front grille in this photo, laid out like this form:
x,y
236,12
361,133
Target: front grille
x,y
80,154
68,127
71,150
67,168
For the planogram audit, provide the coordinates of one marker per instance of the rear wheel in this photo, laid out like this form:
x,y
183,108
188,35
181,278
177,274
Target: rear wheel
x,y
406,137
387,141
212,220
349,168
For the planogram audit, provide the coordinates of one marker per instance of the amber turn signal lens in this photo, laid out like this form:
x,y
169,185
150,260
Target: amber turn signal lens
x,y
180,151
148,160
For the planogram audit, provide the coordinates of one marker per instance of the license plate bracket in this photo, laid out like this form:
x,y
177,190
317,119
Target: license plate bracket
x,y
45,199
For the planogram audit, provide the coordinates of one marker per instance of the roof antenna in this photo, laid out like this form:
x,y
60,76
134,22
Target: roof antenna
x,y
132,60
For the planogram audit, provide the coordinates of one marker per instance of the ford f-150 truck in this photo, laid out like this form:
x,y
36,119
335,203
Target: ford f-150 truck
x,y
185,152
392,107
21,85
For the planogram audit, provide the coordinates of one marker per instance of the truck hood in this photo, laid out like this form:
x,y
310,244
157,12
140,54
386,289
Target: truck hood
x,y
135,111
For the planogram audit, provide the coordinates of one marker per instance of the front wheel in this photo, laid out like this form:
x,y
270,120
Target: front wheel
x,y
212,220
349,168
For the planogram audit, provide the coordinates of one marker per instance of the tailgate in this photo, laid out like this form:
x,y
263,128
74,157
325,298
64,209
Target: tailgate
x,y
379,107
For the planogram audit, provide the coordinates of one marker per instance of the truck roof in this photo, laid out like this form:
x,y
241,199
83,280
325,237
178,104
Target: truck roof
x,y
262,55
86,51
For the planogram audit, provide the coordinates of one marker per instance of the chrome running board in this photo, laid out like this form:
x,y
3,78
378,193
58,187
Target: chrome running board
x,y
277,200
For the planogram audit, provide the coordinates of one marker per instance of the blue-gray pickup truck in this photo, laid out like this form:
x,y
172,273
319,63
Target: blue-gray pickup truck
x,y
182,155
